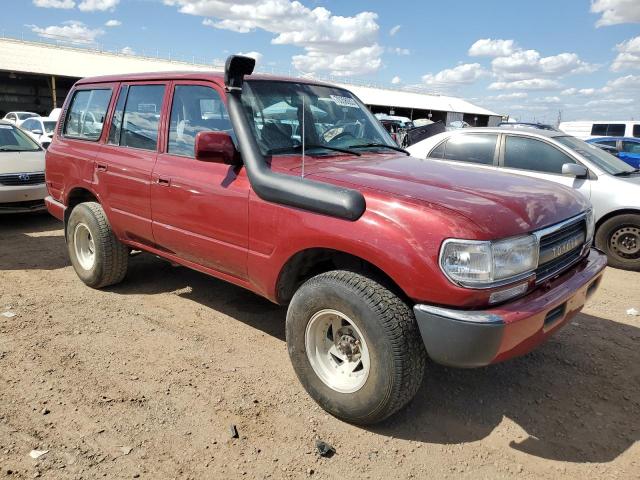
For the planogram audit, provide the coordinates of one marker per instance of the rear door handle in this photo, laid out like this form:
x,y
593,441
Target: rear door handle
x,y
163,182
100,167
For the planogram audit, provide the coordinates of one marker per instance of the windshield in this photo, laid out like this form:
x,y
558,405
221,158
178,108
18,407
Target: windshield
x,y
49,126
333,118
25,115
14,140
602,159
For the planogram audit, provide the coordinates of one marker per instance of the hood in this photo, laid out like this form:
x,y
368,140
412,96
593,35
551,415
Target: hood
x,y
500,204
21,162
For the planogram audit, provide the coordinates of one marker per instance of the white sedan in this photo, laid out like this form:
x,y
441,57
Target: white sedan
x,y
612,185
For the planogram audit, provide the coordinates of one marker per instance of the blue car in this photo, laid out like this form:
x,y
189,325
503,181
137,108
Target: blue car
x,y
628,148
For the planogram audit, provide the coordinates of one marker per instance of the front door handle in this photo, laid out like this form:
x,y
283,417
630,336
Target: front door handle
x,y
163,182
101,167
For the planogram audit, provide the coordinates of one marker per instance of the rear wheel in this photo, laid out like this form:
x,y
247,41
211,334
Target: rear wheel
x,y
97,256
619,238
355,346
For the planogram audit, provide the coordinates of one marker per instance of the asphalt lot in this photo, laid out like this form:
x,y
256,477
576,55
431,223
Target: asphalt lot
x,y
142,380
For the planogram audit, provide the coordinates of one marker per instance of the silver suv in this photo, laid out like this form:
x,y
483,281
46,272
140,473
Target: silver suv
x,y
612,186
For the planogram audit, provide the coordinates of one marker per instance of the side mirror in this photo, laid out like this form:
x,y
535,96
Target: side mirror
x,y
37,131
575,170
216,147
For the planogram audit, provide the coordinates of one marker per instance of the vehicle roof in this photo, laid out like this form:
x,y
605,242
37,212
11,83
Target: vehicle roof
x,y
20,111
520,131
624,139
217,77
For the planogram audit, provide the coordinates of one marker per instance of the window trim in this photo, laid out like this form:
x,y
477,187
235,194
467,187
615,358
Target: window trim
x,y
561,148
172,86
67,111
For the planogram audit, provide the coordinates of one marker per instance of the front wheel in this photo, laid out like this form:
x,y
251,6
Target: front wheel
x,y
619,238
355,346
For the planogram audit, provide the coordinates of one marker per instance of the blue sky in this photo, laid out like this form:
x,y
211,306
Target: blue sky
x,y
527,58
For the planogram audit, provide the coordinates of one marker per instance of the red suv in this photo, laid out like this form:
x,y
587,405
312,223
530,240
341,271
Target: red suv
x,y
292,189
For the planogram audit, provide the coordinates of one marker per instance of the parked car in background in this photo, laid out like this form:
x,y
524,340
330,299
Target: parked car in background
x,y
541,126
612,185
382,258
626,149
55,113
586,129
18,117
22,185
40,128
611,150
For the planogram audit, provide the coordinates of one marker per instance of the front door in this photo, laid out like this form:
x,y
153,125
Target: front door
x,y
200,209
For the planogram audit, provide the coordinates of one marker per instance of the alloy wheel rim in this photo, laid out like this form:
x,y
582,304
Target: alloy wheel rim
x,y
84,245
337,351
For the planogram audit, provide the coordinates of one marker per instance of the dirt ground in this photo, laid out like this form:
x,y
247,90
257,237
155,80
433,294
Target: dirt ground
x,y
143,380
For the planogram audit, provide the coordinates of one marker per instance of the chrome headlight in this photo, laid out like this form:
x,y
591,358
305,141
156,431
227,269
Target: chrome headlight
x,y
485,264
591,226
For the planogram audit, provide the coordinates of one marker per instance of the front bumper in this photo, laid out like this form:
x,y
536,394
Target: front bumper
x,y
22,199
475,338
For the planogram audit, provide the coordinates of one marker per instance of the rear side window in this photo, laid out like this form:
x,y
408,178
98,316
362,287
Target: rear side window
x,y
636,131
142,116
476,148
86,114
195,109
611,143
608,129
535,155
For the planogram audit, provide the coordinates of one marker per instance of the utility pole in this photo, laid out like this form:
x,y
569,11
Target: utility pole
x,y
559,118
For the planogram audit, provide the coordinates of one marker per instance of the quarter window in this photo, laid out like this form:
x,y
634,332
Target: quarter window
x,y
195,109
142,116
437,152
476,148
535,155
85,118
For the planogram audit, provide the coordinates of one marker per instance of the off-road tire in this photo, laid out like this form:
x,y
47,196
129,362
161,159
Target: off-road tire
x,y
388,325
111,256
615,226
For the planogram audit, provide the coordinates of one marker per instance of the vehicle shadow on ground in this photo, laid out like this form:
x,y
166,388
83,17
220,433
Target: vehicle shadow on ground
x,y
574,399
26,244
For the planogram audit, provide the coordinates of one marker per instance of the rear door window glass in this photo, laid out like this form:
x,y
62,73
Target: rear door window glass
x,y
195,108
474,148
85,118
535,155
142,116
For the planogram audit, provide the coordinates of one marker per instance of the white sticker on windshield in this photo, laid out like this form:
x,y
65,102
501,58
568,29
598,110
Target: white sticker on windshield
x,y
344,101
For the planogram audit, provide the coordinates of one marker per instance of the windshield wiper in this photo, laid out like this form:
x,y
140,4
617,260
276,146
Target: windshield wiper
x,y
381,145
295,148
627,173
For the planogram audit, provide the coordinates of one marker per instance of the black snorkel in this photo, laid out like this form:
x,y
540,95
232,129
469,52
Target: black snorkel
x,y
274,187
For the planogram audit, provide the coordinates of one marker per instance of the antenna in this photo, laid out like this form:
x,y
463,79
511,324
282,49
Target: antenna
x,y
303,138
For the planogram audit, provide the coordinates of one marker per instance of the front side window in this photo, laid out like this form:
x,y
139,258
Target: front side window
x,y
14,140
142,116
283,114
535,155
631,147
194,109
473,148
86,114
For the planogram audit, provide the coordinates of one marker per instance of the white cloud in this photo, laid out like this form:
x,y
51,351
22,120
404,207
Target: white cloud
x,y
529,64
464,74
629,82
396,80
628,55
341,45
128,51
487,47
394,30
509,96
580,91
97,5
608,101
113,23
71,31
257,55
614,12
66,4
528,84
400,51
549,100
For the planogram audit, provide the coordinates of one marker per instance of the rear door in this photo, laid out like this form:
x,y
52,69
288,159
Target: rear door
x,y
126,160
541,159
200,209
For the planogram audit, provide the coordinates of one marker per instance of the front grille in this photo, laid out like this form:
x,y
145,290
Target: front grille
x,y
560,247
18,179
